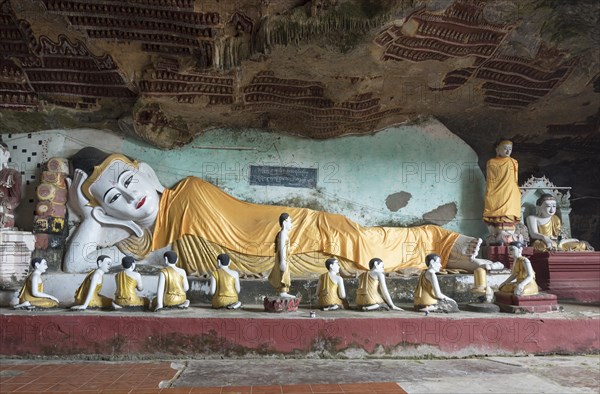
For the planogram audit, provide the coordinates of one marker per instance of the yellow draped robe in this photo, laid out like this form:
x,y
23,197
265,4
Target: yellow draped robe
x,y
328,292
226,293
41,302
281,281
552,230
520,269
424,295
368,291
174,291
98,300
126,294
201,221
502,194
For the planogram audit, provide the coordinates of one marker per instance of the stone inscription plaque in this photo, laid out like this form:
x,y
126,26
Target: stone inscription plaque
x,y
283,176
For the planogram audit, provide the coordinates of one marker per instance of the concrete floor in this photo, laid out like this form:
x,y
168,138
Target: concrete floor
x,y
531,374
546,374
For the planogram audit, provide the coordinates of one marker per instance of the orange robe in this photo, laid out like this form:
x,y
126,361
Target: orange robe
x,y
201,221
502,194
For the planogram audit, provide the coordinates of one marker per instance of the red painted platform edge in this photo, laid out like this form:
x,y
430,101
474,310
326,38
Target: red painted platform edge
x,y
56,335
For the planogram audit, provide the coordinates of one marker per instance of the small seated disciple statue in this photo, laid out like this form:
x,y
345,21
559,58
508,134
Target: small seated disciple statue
x,y
225,285
522,274
172,285
280,277
372,288
128,281
330,287
10,189
502,211
88,293
545,228
428,296
32,294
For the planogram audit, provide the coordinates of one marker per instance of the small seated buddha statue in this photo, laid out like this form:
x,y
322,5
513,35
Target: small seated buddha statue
x,y
330,287
88,293
172,285
428,296
32,293
372,288
545,229
128,281
225,285
522,278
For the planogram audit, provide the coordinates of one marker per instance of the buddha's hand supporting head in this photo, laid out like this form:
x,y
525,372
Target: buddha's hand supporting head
x,y
77,201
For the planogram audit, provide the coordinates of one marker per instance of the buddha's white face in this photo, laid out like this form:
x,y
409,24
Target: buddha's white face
x,y
548,208
125,192
504,150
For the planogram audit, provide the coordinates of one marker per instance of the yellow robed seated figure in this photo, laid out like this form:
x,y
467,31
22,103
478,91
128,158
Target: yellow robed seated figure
x,y
172,285
522,278
88,294
372,292
32,293
128,282
331,291
545,228
125,209
428,295
225,285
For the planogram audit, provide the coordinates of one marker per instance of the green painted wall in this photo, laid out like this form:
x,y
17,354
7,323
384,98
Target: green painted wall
x,y
355,174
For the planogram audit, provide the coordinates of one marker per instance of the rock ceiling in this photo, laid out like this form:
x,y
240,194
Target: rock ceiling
x,y
166,70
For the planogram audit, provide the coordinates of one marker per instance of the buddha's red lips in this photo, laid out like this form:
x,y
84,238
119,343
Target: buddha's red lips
x,y
139,204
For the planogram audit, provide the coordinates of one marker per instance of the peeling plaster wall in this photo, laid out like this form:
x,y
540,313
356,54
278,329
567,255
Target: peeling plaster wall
x,y
355,174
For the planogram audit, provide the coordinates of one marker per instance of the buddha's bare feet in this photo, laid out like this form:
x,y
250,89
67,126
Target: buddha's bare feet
x,y
464,252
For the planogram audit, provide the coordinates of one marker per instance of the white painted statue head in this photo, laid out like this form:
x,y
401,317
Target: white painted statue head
x,y
285,221
515,249
433,261
376,264
332,265
122,191
104,262
504,148
39,264
546,205
128,263
223,260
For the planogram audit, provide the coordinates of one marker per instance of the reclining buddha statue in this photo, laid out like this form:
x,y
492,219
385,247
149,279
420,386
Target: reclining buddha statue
x,y
125,210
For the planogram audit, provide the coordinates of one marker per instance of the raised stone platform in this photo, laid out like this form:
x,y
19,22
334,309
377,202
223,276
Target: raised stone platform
x,y
203,332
